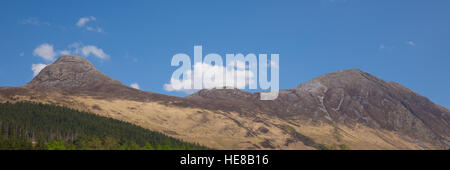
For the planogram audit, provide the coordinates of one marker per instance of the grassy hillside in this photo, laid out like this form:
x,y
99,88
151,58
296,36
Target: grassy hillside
x,y
41,126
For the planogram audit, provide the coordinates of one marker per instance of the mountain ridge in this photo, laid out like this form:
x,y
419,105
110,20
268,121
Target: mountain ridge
x,y
347,107
330,93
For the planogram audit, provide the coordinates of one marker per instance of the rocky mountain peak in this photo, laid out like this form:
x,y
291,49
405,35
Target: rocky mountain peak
x,y
71,74
71,58
342,78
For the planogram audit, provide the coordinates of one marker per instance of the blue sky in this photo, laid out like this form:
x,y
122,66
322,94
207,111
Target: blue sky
x,y
406,41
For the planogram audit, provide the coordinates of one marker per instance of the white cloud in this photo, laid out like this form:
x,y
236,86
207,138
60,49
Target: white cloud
x,y
48,53
382,46
36,68
34,21
95,51
22,54
134,59
201,69
82,21
65,52
97,29
411,43
75,45
45,51
135,85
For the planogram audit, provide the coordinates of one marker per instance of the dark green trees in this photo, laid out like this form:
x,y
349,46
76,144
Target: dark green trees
x,y
40,126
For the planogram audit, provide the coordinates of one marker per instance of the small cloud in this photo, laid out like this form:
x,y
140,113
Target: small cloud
x,y
95,51
33,21
381,47
22,54
48,53
135,85
83,23
134,59
169,88
36,68
75,45
65,52
411,43
97,29
45,51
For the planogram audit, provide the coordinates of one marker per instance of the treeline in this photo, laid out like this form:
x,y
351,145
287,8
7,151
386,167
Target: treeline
x,y
38,126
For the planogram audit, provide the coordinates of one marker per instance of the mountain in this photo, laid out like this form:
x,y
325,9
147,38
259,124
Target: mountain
x,y
347,109
351,97
74,75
